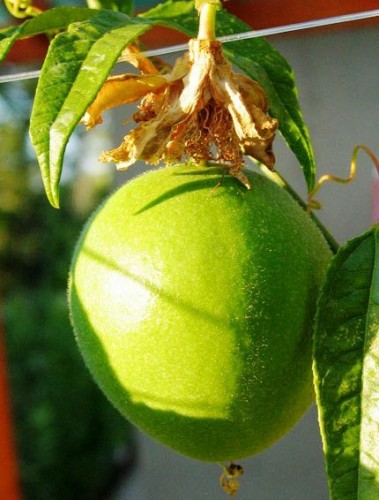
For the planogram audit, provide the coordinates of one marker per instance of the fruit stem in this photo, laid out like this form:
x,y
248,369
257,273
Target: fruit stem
x,y
207,21
278,179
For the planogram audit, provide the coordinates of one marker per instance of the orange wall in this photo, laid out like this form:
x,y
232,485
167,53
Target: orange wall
x,y
257,13
9,488
269,13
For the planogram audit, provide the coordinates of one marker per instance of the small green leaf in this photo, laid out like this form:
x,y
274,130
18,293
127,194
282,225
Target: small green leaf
x,y
124,6
346,367
7,39
257,58
76,66
49,21
179,15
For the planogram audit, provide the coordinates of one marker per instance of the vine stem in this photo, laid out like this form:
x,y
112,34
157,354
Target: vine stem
x,y
278,179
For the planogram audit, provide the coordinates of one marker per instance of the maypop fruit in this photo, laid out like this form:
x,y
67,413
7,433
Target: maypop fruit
x,y
193,308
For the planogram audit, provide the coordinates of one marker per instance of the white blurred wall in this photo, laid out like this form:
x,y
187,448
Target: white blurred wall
x,y
338,79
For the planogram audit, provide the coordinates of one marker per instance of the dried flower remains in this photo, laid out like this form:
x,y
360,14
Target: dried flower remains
x,y
200,110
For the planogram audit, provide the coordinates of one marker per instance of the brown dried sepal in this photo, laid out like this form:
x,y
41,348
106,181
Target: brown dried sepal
x,y
229,478
200,110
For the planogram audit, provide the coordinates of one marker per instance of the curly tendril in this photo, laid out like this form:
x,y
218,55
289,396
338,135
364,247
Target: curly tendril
x,y
313,204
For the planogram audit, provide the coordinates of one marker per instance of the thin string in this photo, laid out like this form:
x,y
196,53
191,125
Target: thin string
x,y
328,21
278,30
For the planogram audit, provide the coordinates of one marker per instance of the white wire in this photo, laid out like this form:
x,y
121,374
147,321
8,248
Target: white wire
x,y
27,75
328,21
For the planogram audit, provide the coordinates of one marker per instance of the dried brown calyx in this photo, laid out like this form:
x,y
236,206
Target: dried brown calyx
x,y
229,478
200,110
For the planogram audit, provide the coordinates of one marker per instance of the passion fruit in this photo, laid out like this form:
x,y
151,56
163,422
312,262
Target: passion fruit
x,y
193,308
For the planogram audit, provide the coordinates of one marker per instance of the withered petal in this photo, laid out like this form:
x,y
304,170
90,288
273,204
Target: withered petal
x,y
202,110
247,106
127,88
133,55
148,141
251,92
121,89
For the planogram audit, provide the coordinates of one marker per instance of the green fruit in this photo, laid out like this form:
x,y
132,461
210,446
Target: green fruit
x,y
193,307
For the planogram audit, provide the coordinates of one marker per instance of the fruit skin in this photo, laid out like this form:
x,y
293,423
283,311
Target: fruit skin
x,y
193,308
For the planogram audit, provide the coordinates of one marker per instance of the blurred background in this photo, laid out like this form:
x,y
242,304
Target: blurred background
x,y
70,443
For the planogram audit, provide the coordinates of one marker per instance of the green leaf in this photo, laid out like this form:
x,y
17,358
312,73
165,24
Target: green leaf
x,y
257,58
124,6
49,21
179,15
76,66
346,367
